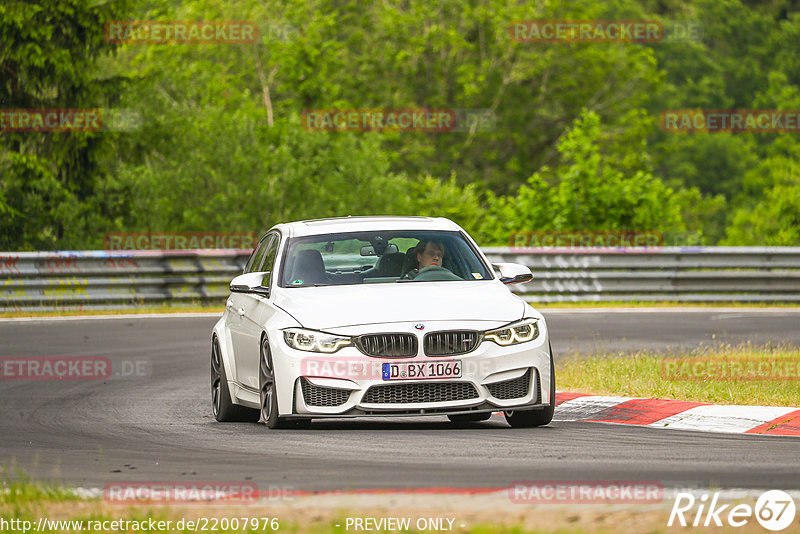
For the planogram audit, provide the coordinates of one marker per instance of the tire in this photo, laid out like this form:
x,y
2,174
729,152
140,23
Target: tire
x,y
467,418
222,406
531,418
267,390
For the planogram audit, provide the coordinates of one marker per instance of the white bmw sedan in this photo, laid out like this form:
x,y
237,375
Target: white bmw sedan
x,y
378,316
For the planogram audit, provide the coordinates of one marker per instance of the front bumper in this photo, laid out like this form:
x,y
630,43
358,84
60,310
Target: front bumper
x,y
349,383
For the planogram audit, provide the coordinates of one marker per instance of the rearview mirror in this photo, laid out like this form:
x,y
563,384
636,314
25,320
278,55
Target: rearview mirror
x,y
369,250
513,273
250,283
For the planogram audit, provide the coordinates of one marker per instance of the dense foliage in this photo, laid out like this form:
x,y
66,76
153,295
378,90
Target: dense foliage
x,y
215,139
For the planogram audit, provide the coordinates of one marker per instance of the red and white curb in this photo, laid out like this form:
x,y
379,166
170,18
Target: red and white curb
x,y
680,415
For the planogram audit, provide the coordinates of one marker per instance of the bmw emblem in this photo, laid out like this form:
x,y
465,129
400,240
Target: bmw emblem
x,y
419,326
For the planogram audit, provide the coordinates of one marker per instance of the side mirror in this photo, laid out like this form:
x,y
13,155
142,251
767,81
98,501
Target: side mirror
x,y
250,283
513,273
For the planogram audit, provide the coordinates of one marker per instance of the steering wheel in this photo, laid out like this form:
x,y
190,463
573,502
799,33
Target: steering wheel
x,y
433,268
434,272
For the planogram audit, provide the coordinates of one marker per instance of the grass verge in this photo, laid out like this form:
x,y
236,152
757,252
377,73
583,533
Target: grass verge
x,y
27,507
725,374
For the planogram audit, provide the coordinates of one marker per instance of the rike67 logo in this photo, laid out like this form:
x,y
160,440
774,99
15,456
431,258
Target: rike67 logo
x,y
774,510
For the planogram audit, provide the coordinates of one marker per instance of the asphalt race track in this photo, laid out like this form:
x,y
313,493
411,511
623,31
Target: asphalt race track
x,y
159,426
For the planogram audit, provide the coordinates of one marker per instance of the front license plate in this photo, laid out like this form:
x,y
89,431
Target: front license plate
x,y
416,371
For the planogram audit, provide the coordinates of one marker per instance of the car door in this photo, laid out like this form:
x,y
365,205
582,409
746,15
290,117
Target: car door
x,y
237,306
258,309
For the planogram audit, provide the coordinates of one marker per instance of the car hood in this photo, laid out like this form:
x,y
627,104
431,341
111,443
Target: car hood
x,y
327,307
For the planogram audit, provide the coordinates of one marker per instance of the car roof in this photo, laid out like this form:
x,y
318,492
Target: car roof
x,y
365,223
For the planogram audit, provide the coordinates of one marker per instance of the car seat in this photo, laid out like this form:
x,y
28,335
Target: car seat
x,y
390,264
410,262
309,267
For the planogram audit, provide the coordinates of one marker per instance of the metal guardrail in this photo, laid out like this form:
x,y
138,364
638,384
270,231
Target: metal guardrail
x,y
686,274
115,279
119,279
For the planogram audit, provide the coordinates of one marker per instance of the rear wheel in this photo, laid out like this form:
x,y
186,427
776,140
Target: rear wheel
x,y
222,406
531,418
467,418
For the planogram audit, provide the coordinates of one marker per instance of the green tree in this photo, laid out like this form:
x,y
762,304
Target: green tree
x,y
773,221
587,191
48,181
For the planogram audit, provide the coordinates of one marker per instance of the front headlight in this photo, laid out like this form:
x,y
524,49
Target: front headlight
x,y
313,341
519,332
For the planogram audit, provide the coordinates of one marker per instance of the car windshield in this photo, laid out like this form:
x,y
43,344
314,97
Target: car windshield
x,y
380,257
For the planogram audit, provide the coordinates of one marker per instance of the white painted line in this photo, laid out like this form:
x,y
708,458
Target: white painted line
x,y
585,407
730,419
127,316
744,315
687,309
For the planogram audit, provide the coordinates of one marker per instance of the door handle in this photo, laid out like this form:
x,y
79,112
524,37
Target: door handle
x,y
240,311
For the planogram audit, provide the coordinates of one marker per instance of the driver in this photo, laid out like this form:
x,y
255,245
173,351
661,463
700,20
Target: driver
x,y
429,254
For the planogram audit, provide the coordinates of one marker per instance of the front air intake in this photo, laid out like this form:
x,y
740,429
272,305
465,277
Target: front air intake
x,y
323,396
511,389
417,393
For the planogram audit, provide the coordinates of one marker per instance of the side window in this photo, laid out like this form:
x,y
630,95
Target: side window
x,y
258,256
269,260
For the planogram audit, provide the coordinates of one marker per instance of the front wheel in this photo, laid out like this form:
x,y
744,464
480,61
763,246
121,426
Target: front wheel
x,y
531,418
268,393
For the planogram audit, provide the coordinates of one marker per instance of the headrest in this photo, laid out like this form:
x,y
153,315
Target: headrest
x,y
309,267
